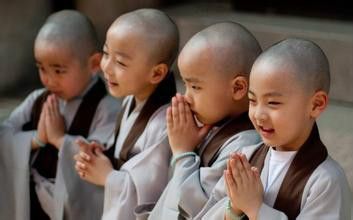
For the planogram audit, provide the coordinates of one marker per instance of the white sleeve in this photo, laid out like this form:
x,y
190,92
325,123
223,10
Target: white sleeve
x,y
15,148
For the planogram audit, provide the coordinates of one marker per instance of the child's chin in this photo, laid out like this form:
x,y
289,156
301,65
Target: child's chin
x,y
116,94
269,142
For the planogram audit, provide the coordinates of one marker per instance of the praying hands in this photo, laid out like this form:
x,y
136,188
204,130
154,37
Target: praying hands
x,y
244,186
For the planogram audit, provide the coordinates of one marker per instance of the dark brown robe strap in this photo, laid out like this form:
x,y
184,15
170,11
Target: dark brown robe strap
x,y
46,158
308,158
161,96
232,127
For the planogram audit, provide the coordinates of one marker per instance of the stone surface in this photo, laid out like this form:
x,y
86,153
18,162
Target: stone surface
x,y
334,37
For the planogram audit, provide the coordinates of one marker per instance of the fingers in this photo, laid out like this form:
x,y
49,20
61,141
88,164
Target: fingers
x,y
81,174
229,190
169,119
237,169
255,172
53,106
181,108
96,144
98,152
83,144
81,169
229,179
246,166
175,112
188,114
50,111
84,157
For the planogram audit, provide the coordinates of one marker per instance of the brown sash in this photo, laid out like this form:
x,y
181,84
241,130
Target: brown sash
x,y
161,96
309,157
46,159
232,127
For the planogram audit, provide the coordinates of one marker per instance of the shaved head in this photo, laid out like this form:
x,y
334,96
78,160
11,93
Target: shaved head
x,y
70,29
227,48
157,30
303,59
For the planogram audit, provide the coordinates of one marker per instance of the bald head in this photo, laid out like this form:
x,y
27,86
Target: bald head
x,y
303,59
70,29
157,31
227,47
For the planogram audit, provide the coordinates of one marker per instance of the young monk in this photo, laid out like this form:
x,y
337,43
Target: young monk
x,y
290,175
214,65
139,50
74,103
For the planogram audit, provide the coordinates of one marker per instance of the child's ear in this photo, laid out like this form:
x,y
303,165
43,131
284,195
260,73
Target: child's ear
x,y
158,73
319,103
94,62
239,87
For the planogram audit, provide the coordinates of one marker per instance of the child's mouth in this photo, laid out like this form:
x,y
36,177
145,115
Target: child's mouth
x,y
266,132
112,84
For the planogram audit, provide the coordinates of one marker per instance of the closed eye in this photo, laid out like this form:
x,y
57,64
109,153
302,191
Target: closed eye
x,y
196,87
274,103
121,63
105,53
60,71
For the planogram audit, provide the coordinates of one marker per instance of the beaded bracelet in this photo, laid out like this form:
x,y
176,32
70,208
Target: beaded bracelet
x,y
182,155
37,141
231,214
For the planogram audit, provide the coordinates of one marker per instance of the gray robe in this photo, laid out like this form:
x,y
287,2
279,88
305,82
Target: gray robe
x,y
191,185
15,148
143,177
326,195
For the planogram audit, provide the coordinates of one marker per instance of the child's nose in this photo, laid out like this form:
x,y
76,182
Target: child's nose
x,y
188,97
49,81
106,66
260,115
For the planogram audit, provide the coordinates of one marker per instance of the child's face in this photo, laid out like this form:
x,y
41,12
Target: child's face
x,y
208,94
279,107
60,71
125,63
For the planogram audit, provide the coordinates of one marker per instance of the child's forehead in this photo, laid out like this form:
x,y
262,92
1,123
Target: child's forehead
x,y
52,52
275,78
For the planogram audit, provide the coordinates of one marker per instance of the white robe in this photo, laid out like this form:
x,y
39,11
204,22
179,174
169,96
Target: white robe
x,y
143,177
326,195
15,148
191,185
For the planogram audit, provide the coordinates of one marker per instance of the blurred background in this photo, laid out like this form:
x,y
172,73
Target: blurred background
x,y
328,23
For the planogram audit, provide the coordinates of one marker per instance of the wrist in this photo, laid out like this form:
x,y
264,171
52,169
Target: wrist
x,y
57,142
233,212
252,213
179,151
105,177
179,156
36,141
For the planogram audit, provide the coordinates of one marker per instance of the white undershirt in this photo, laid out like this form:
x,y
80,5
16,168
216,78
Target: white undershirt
x,y
279,163
126,124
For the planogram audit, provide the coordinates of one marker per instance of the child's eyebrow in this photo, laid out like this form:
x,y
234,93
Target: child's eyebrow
x,y
273,94
57,66
122,54
192,80
269,94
